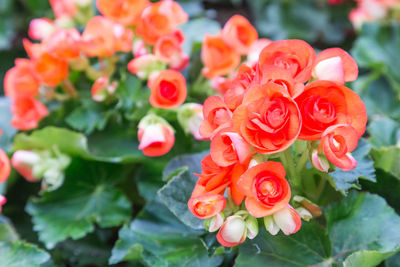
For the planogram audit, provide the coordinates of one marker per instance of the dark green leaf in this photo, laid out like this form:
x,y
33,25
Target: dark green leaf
x,y
365,169
5,126
160,239
383,132
88,196
387,159
363,230
7,230
19,253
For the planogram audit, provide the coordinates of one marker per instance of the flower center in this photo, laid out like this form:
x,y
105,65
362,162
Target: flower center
x,y
203,208
268,188
168,91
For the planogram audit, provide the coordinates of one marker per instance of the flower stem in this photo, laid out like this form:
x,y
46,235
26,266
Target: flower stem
x,y
69,88
288,163
302,161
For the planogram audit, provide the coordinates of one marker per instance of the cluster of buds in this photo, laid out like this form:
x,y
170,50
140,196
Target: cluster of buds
x,y
289,93
374,10
45,166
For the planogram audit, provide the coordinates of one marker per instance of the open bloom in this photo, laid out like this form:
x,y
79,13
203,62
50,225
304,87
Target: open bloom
x,y
159,19
5,167
50,70
64,43
337,142
24,161
218,57
268,119
155,135
296,56
168,49
21,80
324,104
232,232
125,12
265,188
64,8
206,205
168,90
239,34
216,116
336,65
27,112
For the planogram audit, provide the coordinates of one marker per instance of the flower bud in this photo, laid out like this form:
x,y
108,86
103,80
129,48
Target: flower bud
x,y
24,161
304,214
252,227
41,28
232,232
330,69
270,225
190,116
139,49
214,223
307,204
145,65
288,220
5,167
155,135
319,161
102,89
3,201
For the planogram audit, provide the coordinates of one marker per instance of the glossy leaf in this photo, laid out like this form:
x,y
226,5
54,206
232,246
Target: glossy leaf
x,y
19,254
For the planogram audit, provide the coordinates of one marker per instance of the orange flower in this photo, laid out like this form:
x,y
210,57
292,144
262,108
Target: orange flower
x,y
296,56
159,19
168,90
265,188
228,148
64,43
268,119
336,65
207,205
64,8
20,81
337,142
168,49
27,112
155,135
324,104
125,12
218,58
283,78
216,116
239,34
5,166
102,89
50,70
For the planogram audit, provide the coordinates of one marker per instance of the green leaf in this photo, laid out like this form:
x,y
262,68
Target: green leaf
x,y
393,261
107,147
387,159
7,230
365,169
377,48
19,254
362,230
5,119
160,239
88,196
383,132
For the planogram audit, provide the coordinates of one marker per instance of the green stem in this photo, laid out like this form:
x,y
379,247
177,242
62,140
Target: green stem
x,y
302,162
321,187
287,161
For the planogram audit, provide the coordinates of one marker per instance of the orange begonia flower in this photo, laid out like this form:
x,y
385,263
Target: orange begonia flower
x,y
27,112
125,12
265,188
216,116
5,166
206,205
21,81
325,103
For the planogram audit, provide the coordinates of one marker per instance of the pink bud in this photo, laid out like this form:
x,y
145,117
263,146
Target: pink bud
x,y
24,161
288,220
255,50
215,222
330,69
319,162
139,49
3,201
5,167
232,232
102,89
143,66
41,28
190,116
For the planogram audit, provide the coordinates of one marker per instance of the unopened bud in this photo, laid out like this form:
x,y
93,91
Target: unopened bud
x,y
319,162
304,214
252,227
232,232
190,116
214,223
270,225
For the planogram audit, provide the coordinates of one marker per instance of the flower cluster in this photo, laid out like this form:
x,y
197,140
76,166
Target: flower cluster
x,y
289,93
374,10
144,31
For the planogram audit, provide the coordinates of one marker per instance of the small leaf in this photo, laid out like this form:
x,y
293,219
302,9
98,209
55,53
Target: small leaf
x,y
387,159
384,132
365,169
88,196
19,254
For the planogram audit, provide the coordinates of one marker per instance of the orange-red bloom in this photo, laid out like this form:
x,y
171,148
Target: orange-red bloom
x,y
5,167
337,142
218,58
282,77
21,81
64,8
168,49
27,112
265,188
125,12
168,90
159,19
216,116
207,205
50,70
64,43
268,119
239,34
325,103
296,56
